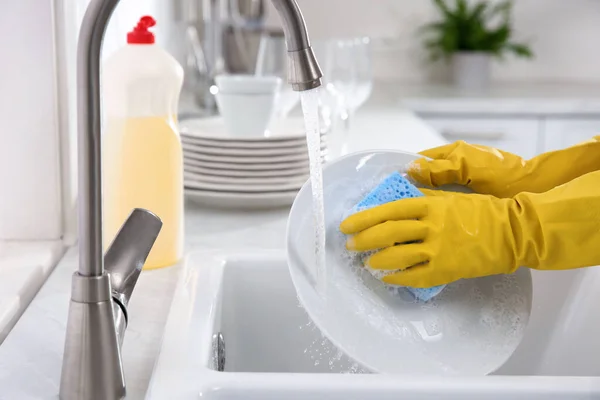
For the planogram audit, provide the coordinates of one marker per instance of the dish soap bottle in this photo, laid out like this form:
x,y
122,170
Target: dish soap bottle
x,y
142,155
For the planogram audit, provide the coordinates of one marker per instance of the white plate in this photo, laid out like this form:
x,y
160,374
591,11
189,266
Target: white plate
x,y
258,181
244,145
471,328
245,159
246,167
244,173
241,201
256,152
242,188
213,128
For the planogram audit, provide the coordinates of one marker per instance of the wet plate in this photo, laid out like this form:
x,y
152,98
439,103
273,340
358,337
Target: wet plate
x,y
471,328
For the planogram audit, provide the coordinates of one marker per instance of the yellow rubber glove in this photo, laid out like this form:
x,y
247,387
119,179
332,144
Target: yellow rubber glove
x,y
471,235
490,171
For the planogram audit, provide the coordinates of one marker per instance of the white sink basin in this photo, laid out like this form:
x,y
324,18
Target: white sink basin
x,y
272,351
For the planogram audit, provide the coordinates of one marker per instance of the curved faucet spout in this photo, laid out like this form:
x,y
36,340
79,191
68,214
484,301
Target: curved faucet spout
x,y
294,27
304,72
89,117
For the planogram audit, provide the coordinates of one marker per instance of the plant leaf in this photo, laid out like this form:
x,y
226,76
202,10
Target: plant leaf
x,y
472,26
461,9
433,26
497,38
503,9
441,5
520,50
478,11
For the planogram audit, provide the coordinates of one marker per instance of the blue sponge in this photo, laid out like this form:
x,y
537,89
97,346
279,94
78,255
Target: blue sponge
x,y
392,188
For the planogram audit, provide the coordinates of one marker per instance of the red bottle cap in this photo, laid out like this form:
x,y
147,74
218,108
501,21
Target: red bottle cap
x,y
140,34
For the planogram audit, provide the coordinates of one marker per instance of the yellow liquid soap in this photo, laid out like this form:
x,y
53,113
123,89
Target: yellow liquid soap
x,y
143,168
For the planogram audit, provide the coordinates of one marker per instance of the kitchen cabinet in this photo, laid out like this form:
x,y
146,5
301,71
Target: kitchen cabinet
x,y
526,119
561,133
519,136
526,137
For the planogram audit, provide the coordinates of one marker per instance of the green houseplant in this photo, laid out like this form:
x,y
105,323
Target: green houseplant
x,y
469,34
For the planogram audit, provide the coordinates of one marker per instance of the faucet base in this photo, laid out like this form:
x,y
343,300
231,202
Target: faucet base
x,y
92,367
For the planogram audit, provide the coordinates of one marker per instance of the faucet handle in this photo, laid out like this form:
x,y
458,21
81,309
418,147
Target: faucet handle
x,y
127,253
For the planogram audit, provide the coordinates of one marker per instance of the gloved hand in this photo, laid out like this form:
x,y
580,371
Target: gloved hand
x,y
490,171
471,235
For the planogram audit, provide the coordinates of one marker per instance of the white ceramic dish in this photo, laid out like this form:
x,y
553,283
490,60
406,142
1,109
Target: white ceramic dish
x,y
242,188
245,159
288,100
241,201
247,84
214,129
230,180
246,167
247,115
247,103
243,145
471,328
251,152
244,173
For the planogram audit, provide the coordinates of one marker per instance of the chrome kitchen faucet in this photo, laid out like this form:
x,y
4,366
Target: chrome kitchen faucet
x,y
101,288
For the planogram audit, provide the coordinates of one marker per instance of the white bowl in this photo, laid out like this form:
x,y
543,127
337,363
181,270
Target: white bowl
x,y
248,84
247,115
471,328
288,100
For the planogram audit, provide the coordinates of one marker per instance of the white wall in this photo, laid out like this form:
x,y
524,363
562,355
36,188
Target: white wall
x,y
38,143
30,197
564,34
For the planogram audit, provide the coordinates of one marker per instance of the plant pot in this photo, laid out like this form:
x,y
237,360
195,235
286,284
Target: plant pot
x,y
471,70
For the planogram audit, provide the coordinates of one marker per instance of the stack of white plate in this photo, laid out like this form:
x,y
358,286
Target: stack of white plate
x,y
221,170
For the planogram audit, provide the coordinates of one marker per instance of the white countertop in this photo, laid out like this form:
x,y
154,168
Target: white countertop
x,y
503,99
31,355
24,267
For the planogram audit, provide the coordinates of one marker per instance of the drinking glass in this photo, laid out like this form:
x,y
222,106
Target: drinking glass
x,y
348,76
363,75
272,60
340,71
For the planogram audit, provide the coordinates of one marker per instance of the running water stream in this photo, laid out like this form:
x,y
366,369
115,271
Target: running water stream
x,y
310,109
